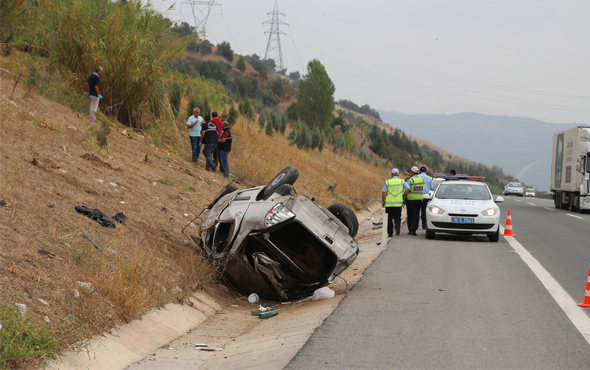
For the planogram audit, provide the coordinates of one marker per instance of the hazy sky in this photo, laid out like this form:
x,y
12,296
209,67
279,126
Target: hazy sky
x,y
515,57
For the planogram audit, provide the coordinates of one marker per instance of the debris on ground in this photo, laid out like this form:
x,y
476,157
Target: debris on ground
x,y
99,216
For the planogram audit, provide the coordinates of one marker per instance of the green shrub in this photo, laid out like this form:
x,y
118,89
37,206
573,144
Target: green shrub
x,y
34,75
21,338
241,64
232,115
224,49
130,40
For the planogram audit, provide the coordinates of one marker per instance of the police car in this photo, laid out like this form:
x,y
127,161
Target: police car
x,y
463,205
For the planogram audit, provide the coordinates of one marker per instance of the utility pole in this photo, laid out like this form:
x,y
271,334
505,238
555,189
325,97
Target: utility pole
x,y
273,47
201,11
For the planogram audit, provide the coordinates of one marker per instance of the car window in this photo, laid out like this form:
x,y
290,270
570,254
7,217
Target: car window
x,y
436,182
453,190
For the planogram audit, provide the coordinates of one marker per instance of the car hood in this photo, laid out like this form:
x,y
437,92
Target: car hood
x,y
463,205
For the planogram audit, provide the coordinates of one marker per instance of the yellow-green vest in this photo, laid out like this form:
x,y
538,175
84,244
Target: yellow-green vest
x,y
416,188
395,193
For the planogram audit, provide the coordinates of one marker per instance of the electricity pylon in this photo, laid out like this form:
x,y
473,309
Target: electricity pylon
x,y
273,47
201,11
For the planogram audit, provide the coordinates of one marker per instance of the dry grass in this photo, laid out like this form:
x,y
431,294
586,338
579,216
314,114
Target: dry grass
x,y
258,157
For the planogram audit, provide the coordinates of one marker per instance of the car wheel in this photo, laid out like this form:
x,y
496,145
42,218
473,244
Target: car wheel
x,y
495,236
287,176
346,215
229,188
284,189
429,234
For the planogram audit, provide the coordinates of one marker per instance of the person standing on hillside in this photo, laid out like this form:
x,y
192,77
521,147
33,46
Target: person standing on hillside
x,y
194,124
210,138
392,198
93,92
427,187
218,124
225,148
414,189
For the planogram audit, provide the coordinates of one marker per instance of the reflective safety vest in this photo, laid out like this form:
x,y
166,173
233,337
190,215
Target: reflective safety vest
x,y
395,193
416,188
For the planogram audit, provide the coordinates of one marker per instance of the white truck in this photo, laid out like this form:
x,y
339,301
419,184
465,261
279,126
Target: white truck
x,y
570,169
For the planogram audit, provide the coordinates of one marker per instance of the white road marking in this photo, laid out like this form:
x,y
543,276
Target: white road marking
x,y
575,313
532,204
581,218
549,208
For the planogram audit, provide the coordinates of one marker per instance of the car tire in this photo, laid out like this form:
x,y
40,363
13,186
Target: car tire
x,y
495,236
429,234
229,188
284,189
346,215
287,176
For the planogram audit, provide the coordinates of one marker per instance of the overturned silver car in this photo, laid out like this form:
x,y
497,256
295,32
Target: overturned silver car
x,y
274,242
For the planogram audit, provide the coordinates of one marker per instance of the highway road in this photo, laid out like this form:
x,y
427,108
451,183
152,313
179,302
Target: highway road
x,y
464,302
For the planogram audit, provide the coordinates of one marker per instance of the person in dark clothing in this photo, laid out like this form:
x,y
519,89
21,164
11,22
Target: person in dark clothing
x,y
93,92
224,148
210,138
413,196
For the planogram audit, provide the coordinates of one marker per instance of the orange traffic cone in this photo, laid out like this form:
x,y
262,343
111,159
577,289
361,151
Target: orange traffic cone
x,y
508,228
587,295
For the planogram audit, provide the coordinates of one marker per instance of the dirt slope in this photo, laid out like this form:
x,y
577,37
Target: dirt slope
x,y
50,163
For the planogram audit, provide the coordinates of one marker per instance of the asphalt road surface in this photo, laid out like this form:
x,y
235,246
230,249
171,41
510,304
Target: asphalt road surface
x,y
464,302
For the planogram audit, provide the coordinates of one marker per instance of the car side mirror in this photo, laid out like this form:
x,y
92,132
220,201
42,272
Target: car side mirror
x,y
427,196
499,199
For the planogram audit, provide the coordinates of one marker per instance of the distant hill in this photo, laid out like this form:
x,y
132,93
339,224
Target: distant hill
x,y
521,146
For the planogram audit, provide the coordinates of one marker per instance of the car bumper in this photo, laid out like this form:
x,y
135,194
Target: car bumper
x,y
445,224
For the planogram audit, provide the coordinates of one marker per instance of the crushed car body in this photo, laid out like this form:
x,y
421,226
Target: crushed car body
x,y
275,242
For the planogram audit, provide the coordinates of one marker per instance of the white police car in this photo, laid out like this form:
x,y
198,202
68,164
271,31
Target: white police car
x,y
460,206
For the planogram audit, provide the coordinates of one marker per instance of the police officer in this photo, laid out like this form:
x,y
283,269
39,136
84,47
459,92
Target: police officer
x,y
413,196
392,197
427,187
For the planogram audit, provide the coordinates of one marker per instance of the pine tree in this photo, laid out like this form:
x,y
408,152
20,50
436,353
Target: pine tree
x,y
315,98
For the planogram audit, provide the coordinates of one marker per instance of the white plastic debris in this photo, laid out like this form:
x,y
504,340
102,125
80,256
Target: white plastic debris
x,y
84,284
122,202
43,301
21,308
186,215
154,183
0,326
76,293
47,319
113,184
322,293
101,181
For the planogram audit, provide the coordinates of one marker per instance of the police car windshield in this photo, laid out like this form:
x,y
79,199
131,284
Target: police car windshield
x,y
457,190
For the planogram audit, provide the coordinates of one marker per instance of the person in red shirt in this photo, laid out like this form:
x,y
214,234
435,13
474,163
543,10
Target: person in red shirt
x,y
217,122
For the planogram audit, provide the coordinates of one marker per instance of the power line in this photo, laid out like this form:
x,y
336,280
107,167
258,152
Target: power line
x,y
201,11
273,46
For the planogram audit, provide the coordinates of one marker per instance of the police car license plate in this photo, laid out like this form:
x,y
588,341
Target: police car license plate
x,y
462,220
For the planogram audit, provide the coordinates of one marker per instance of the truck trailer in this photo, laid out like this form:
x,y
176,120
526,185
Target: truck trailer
x,y
570,168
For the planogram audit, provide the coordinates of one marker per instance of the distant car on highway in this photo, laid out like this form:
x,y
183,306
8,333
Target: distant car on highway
x,y
514,188
463,207
530,193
